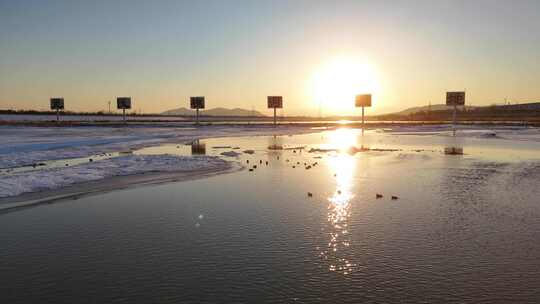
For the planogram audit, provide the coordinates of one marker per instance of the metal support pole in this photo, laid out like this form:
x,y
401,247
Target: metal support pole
x,y
363,126
275,119
454,120
124,115
57,115
197,116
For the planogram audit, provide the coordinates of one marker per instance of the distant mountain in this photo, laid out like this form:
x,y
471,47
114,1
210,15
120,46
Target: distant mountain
x,y
213,112
437,107
533,106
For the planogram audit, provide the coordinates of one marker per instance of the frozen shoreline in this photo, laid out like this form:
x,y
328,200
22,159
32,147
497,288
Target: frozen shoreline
x,y
56,178
26,146
23,146
79,190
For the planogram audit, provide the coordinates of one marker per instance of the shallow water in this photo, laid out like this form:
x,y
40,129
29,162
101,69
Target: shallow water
x,y
463,229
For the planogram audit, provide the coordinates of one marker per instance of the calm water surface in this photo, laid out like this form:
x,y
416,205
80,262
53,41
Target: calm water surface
x,y
464,229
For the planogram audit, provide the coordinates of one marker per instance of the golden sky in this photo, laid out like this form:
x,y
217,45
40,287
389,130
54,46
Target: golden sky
x,y
317,54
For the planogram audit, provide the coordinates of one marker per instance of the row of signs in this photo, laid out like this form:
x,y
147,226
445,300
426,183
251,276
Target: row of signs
x,y
121,103
274,102
196,102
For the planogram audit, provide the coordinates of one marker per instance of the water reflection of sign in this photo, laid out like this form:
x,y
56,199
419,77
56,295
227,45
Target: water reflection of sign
x,y
123,103
198,148
453,151
197,102
363,100
57,103
455,98
275,143
275,102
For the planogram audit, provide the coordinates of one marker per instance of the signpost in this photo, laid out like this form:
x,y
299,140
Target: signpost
x,y
275,102
57,104
455,99
363,101
197,103
123,103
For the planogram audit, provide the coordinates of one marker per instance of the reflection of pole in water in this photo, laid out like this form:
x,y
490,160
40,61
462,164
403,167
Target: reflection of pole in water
x,y
275,143
363,126
454,120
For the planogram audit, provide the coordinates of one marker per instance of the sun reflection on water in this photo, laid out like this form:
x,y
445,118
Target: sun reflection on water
x,y
342,139
339,213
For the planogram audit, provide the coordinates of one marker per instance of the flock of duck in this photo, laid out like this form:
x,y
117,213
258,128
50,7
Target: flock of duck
x,y
307,166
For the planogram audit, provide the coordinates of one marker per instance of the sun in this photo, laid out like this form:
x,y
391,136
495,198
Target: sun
x,y
335,83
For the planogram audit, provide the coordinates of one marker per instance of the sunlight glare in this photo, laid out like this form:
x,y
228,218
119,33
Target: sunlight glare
x,y
342,139
334,85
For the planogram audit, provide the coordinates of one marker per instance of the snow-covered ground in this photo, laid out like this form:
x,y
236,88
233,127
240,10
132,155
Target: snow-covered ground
x,y
18,183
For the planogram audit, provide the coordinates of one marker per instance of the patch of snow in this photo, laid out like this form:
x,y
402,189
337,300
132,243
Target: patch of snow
x,y
19,183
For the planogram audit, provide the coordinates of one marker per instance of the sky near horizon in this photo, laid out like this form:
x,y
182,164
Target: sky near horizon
x,y
314,53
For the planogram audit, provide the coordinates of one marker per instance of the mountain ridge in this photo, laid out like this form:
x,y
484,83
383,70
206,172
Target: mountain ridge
x,y
533,106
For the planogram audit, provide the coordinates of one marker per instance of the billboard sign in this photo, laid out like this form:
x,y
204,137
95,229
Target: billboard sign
x,y
57,103
455,98
275,102
363,100
197,102
123,103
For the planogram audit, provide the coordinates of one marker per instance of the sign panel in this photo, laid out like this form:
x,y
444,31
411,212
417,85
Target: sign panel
x,y
363,100
123,103
57,103
275,102
197,102
455,98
